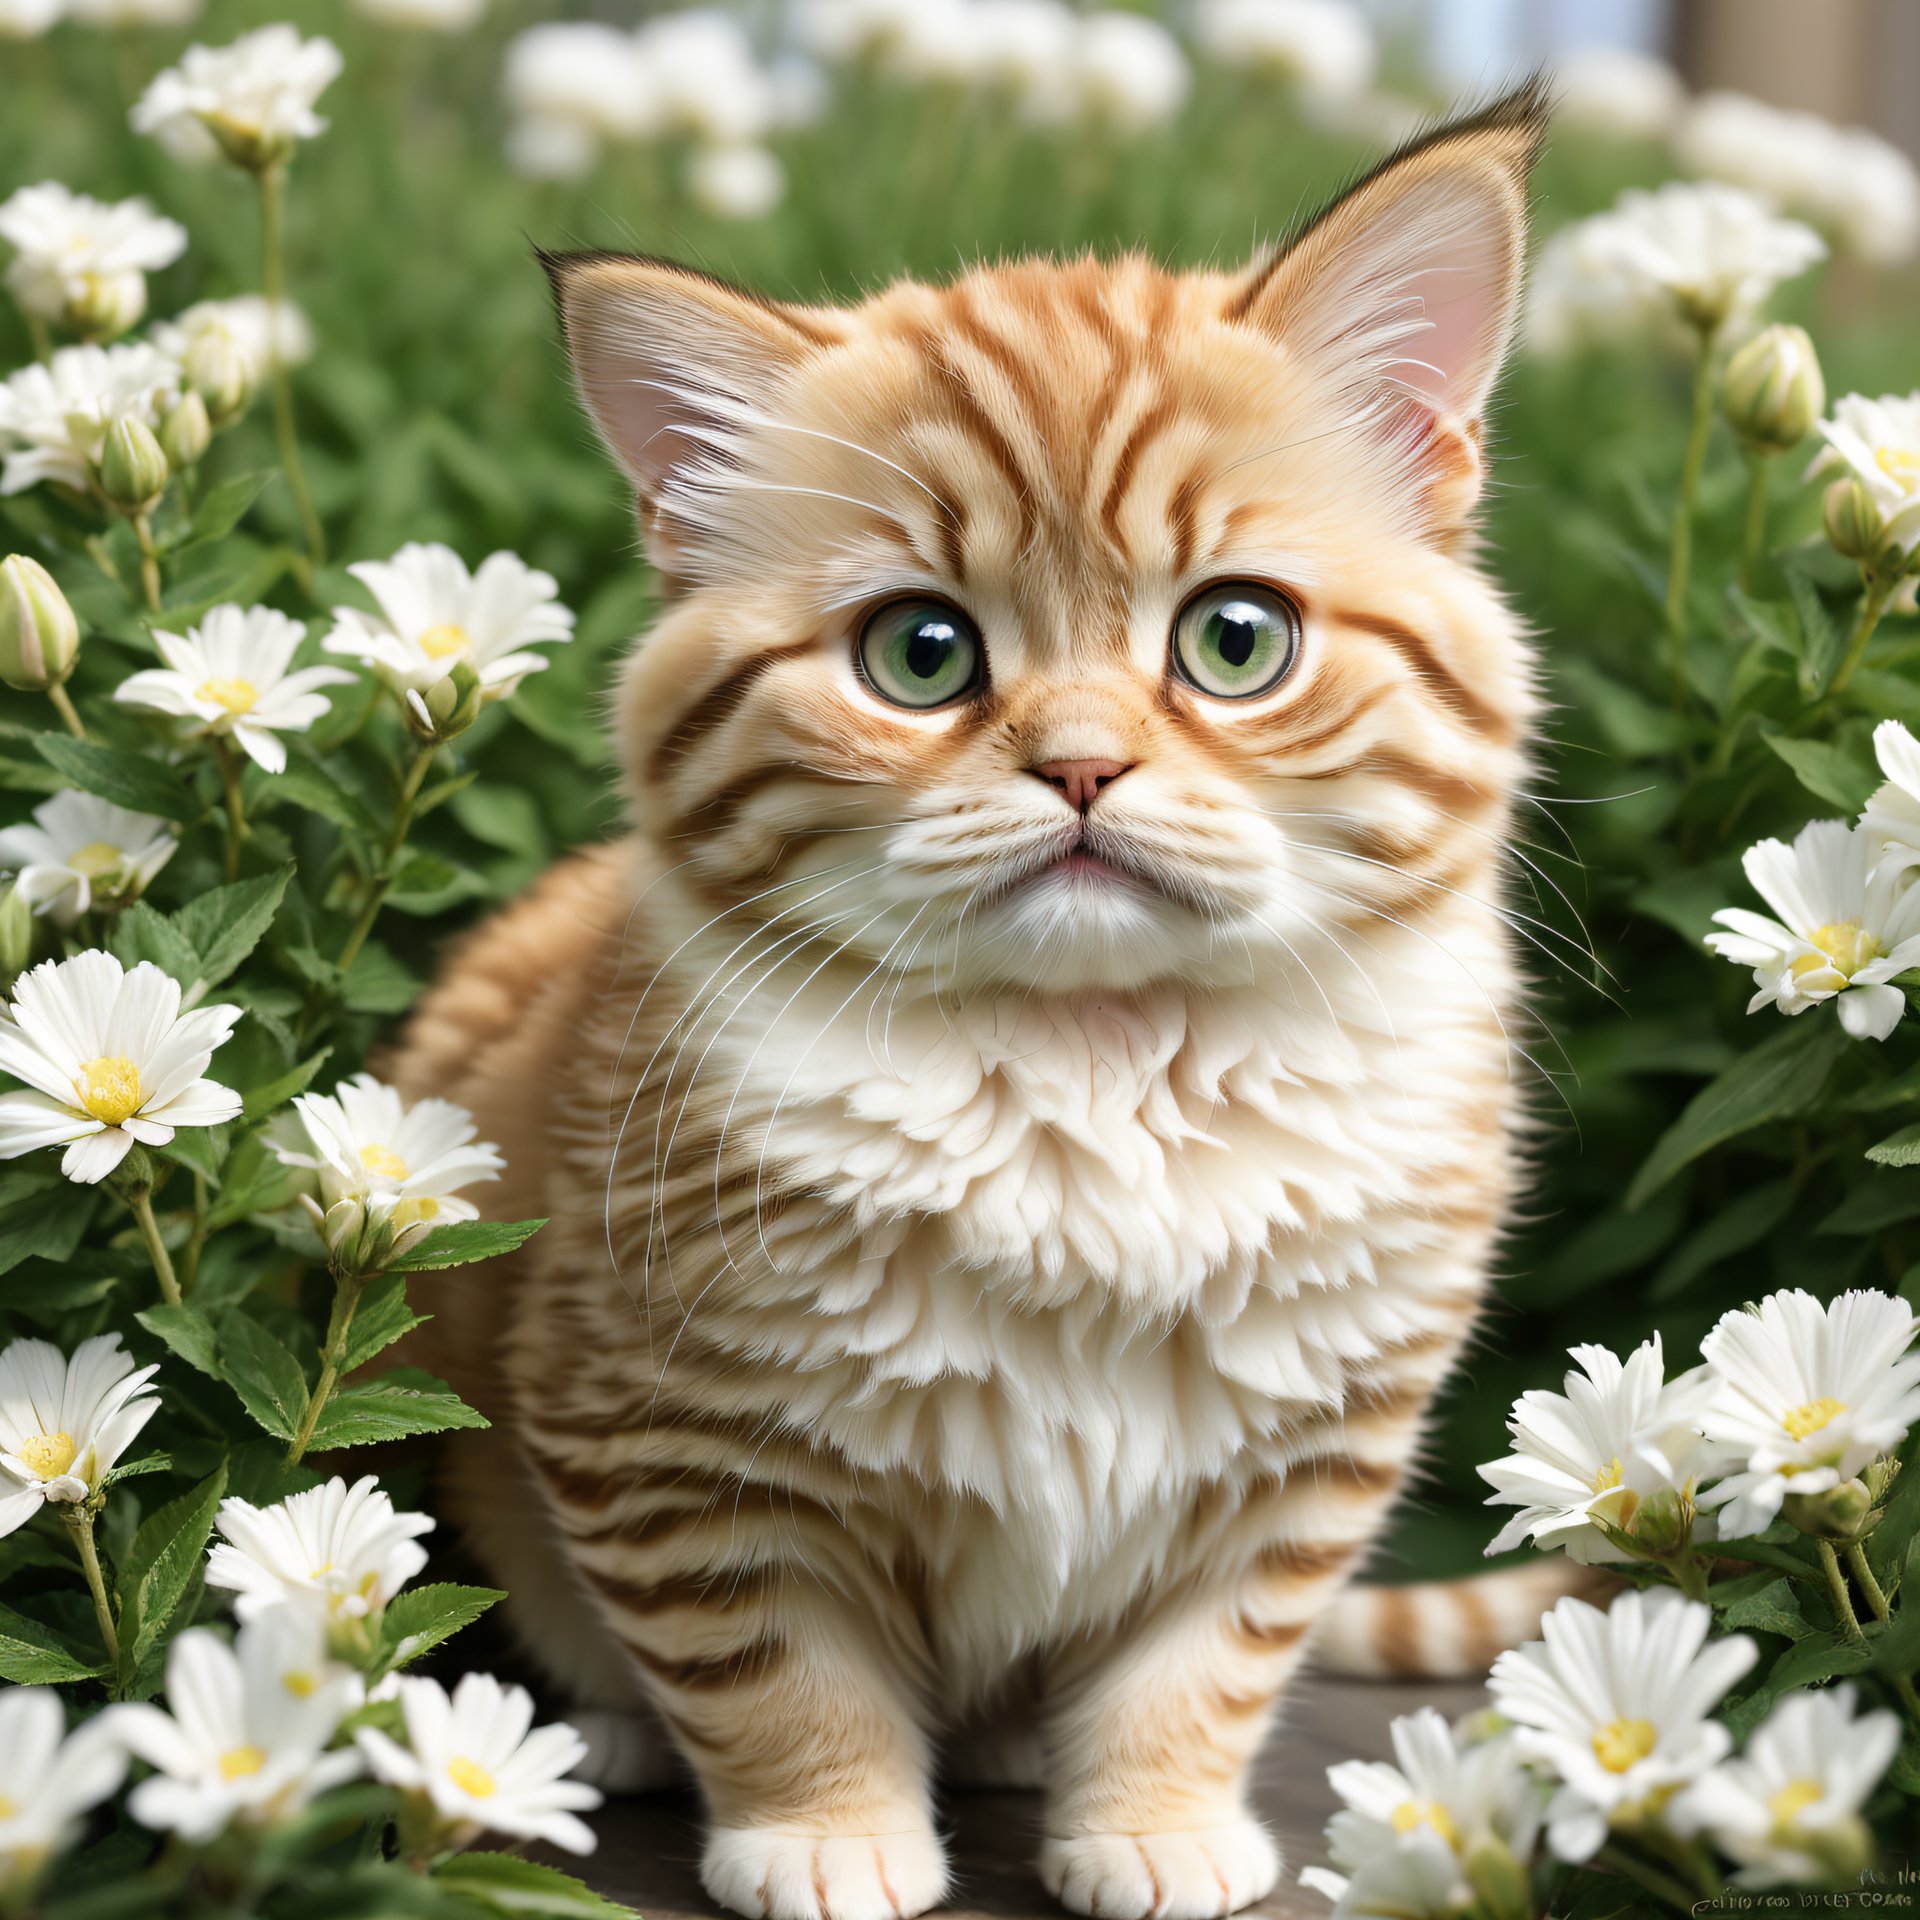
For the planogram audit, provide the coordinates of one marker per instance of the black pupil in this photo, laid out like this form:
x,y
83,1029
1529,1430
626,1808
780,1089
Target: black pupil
x,y
929,647
1237,630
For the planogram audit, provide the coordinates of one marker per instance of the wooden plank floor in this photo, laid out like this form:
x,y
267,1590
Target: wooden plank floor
x,y
649,1847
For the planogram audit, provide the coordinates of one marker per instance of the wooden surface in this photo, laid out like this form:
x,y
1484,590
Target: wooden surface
x,y
649,1847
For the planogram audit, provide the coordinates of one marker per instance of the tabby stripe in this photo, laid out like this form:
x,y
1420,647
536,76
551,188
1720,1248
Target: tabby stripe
x,y
1431,671
717,706
712,1671
1140,436
720,1588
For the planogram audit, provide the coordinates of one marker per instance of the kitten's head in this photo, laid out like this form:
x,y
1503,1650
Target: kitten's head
x,y
1087,624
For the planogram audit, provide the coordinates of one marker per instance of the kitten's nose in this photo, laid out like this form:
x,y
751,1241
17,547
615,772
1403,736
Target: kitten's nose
x,y
1079,782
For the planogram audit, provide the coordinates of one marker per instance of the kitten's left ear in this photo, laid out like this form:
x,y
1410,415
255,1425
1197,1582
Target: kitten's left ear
x,y
1405,291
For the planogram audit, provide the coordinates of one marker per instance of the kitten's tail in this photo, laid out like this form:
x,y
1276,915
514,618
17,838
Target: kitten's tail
x,y
1447,1629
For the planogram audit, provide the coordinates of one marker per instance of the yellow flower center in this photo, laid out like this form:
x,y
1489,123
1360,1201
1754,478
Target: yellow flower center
x,y
1792,1801
237,696
8,1811
1410,1814
1609,1476
109,1088
95,860
240,1763
1621,1744
1801,1422
1844,945
301,1684
383,1161
1900,464
471,1777
414,1213
48,1454
444,640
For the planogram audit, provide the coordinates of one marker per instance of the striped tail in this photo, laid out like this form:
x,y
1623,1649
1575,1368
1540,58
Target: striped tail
x,y
1447,1629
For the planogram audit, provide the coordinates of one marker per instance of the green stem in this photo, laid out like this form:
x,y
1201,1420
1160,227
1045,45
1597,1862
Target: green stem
x,y
1753,544
273,278
101,558
64,707
230,771
346,1298
149,563
1663,1885
80,1525
1864,1575
1680,559
1879,592
390,859
1690,1575
141,1204
197,1234
40,335
1837,1591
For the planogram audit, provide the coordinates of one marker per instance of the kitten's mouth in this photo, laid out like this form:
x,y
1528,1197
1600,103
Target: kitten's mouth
x,y
1089,867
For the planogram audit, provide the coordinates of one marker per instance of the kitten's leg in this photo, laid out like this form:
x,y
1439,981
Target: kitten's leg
x,y
1153,1733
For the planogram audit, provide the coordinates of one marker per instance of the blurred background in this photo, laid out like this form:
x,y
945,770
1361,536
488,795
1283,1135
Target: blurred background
x,y
817,149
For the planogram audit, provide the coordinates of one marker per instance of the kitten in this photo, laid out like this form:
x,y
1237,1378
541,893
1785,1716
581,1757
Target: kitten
x,y
1027,1114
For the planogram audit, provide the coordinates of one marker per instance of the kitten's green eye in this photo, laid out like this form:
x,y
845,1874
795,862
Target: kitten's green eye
x,y
1236,640
920,653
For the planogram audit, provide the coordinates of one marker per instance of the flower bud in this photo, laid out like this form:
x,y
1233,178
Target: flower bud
x,y
1663,1523
1499,1881
1853,522
1773,391
447,708
1842,1513
245,142
218,372
132,470
39,636
106,305
187,432
16,935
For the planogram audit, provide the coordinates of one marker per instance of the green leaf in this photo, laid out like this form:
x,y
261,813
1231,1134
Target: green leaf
x,y
167,1552
1781,1077
511,1885
1821,640
142,934
221,508
263,1373
419,1619
32,1655
1722,1235
378,983
400,1403
258,1102
465,1241
199,1149
46,1225
1774,1609
307,784
126,778
1900,1149
382,1317
225,925
1828,772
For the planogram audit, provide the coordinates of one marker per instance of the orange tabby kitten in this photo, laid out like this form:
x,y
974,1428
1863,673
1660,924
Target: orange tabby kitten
x,y
1025,1116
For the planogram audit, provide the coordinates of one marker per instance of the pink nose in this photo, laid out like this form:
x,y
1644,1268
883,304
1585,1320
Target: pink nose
x,y
1078,782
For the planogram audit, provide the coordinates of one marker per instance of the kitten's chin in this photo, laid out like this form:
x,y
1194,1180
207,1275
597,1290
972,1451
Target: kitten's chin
x,y
1082,924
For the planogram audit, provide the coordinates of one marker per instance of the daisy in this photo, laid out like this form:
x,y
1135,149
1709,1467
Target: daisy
x,y
1324,47
84,263
54,417
1891,818
109,1059
736,183
1128,71
1617,92
1876,443
231,674
1417,1880
28,20
253,100
703,75
1845,929
1788,1809
247,1739
47,1781
1806,1395
339,1551
379,1159
1614,1705
1591,1455
478,1769
64,1423
261,331
433,612
431,16
571,85
81,852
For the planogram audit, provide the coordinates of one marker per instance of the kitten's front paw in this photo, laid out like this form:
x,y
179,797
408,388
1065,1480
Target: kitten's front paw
x,y
1162,1876
768,1875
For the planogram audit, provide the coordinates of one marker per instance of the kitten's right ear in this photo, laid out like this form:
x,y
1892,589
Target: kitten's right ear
x,y
668,359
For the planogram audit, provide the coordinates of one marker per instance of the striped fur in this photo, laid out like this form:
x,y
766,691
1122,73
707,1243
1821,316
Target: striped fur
x,y
984,1310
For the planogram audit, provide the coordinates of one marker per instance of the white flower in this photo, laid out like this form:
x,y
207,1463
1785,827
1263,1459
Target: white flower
x,y
1806,1395
134,13
1849,180
433,613
1619,1433
704,77
246,1741
28,20
340,1551
54,417
1324,47
109,1059
1022,47
259,331
1788,1808
1713,252
1891,818
736,183
432,16
1417,1880
1845,928
84,262
1615,1706
231,674
1618,93
845,30
475,1762
377,1156
254,98
81,850
64,1423
1128,71
47,1781
1877,444
571,85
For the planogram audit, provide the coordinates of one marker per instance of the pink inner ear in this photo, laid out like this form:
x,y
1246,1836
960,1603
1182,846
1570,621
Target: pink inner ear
x,y
1456,268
